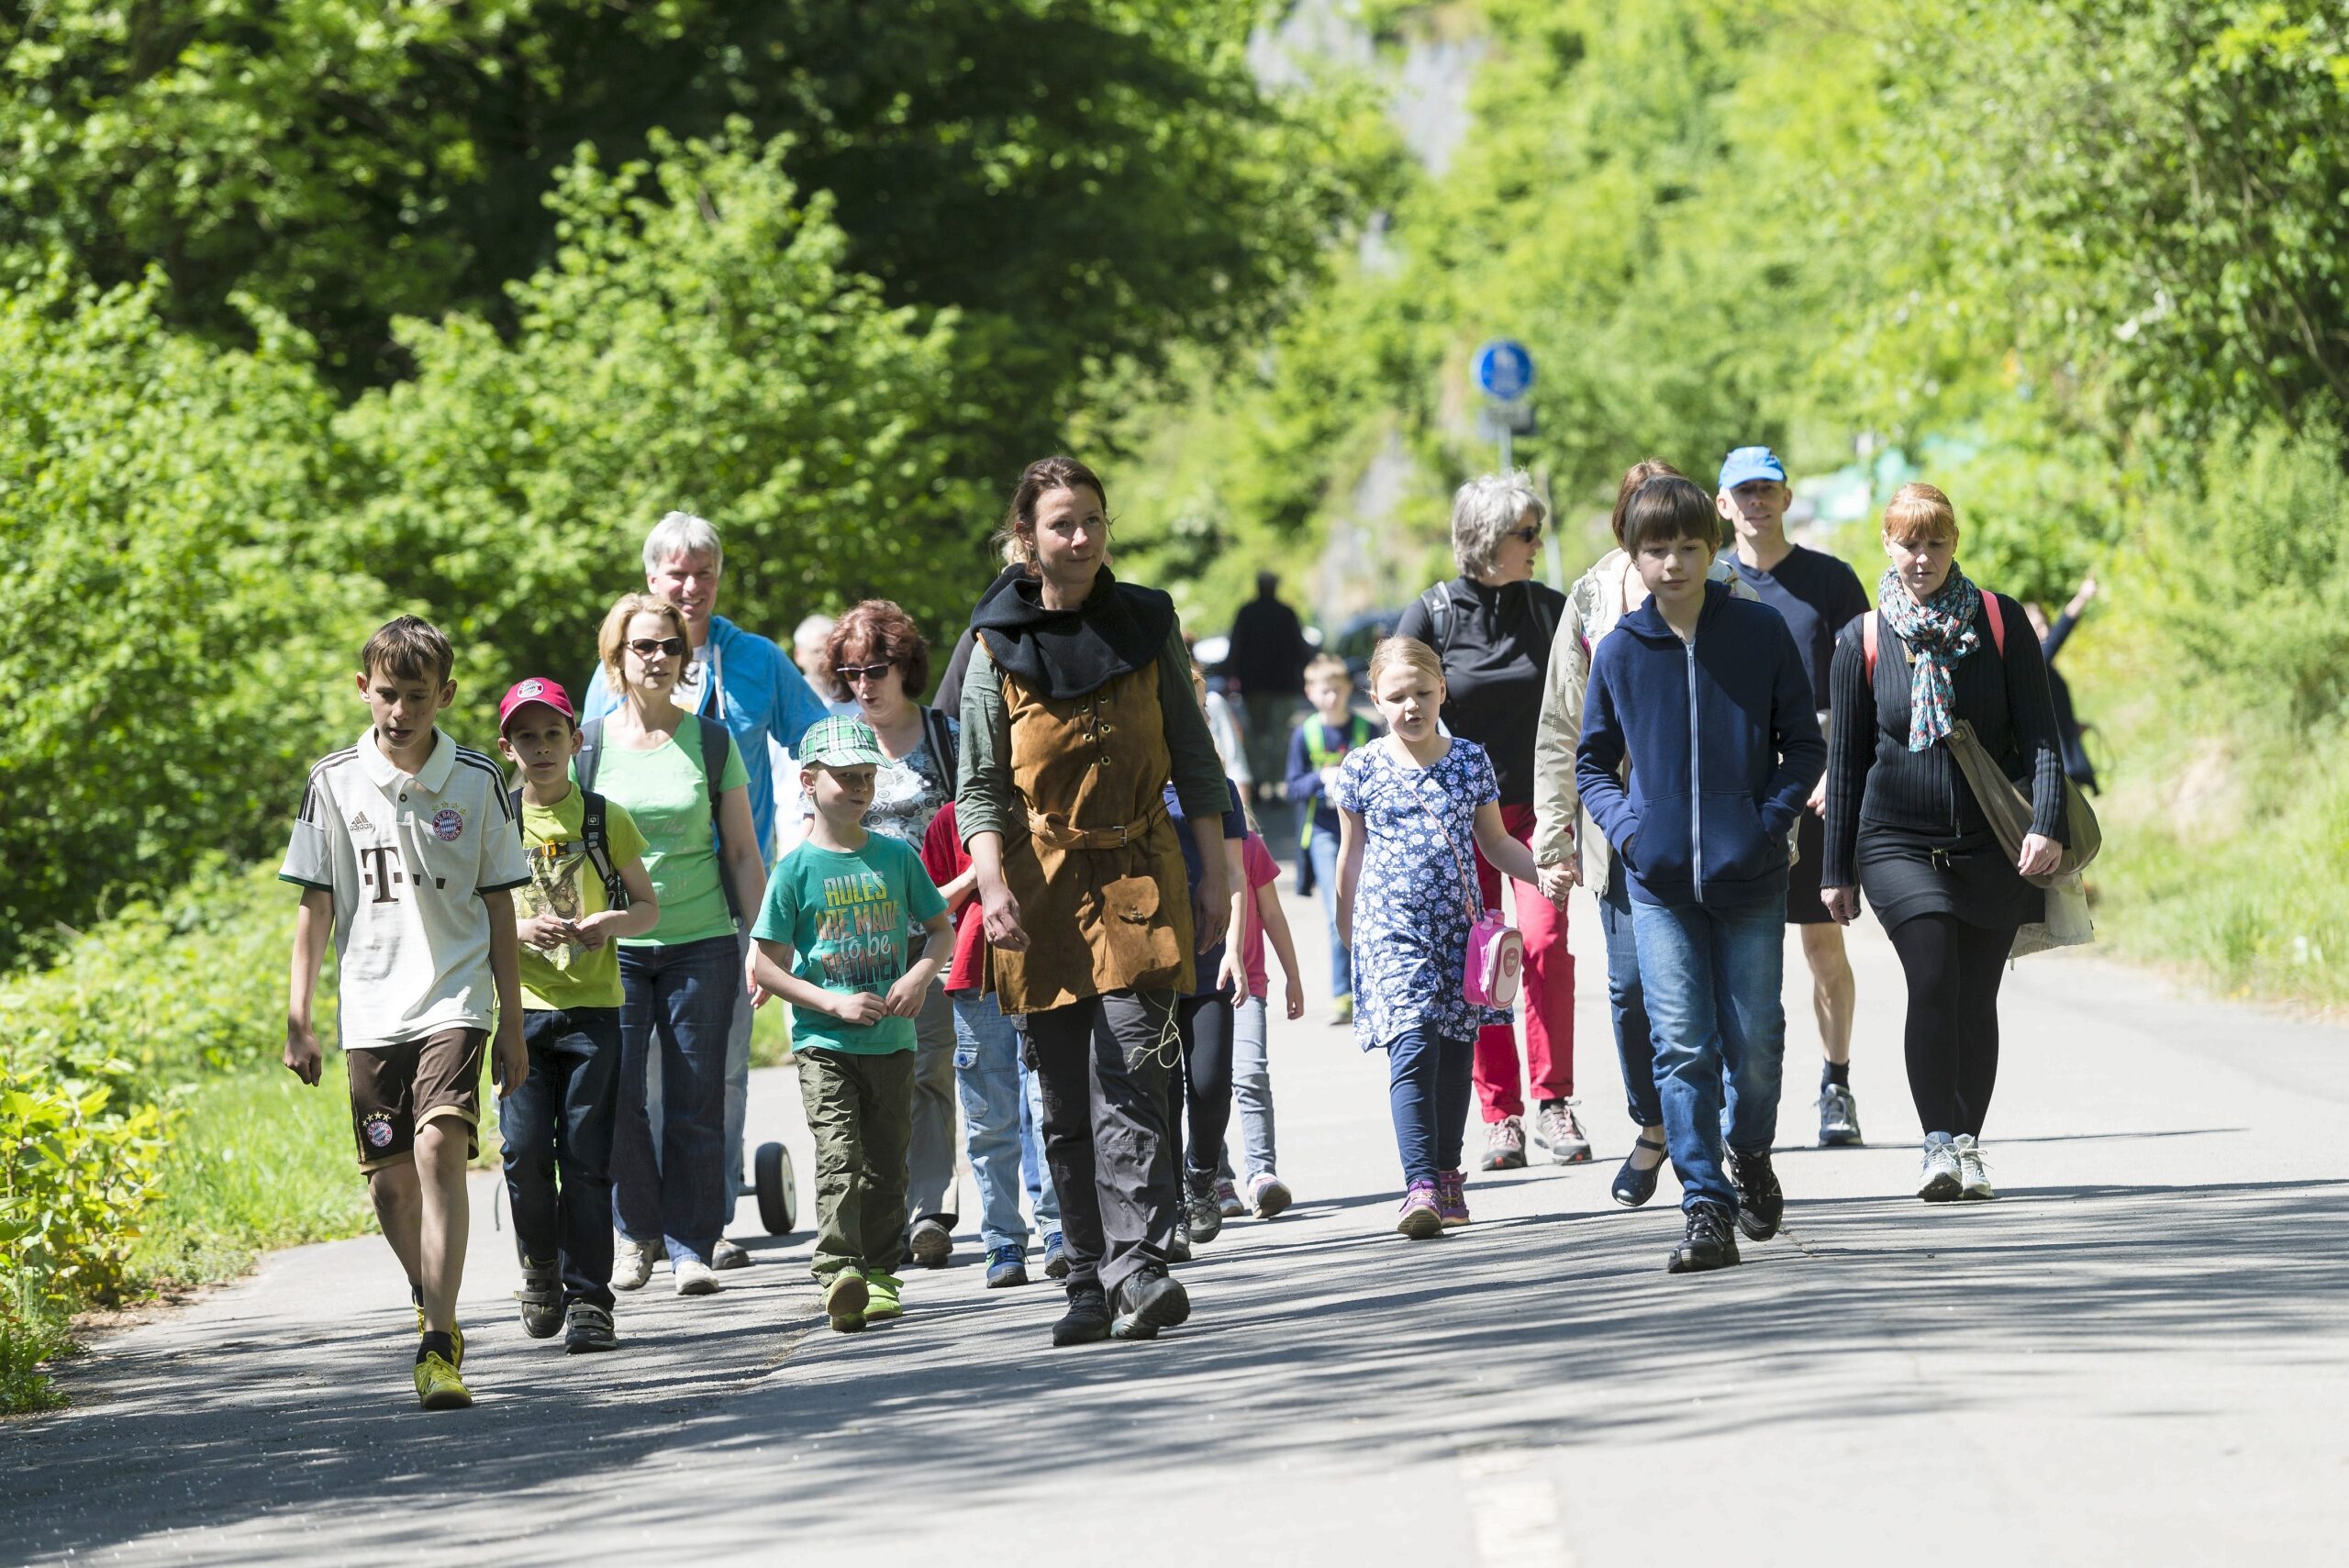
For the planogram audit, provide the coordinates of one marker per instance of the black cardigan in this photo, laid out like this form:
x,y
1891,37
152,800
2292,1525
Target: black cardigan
x,y
1873,779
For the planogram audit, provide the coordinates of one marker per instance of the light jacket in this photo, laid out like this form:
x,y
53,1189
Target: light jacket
x,y
1562,831
1724,745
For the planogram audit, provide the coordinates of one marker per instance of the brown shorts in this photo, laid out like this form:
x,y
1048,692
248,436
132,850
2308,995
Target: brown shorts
x,y
396,1088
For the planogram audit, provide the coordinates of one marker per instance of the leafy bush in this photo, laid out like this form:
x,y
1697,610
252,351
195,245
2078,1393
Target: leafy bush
x,y
33,1332
73,1176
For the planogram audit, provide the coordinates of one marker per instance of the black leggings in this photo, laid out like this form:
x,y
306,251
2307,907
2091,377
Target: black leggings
x,y
1204,1083
1953,972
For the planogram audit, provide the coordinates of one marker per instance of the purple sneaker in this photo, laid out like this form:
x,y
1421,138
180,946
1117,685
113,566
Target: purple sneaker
x,y
1451,1197
1419,1219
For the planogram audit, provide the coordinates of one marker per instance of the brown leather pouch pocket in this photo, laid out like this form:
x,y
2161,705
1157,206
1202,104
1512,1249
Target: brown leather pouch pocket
x,y
1141,934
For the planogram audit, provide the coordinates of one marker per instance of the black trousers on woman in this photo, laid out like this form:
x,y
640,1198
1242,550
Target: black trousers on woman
x,y
1953,972
1103,1065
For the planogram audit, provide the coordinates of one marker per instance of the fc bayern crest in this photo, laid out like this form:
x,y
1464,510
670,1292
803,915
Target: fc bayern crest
x,y
447,823
378,1129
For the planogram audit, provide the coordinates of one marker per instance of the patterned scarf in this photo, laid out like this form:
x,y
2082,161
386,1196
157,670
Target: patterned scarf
x,y
1939,633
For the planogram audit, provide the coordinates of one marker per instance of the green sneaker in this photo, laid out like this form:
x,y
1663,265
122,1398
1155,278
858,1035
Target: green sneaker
x,y
884,1289
456,1335
844,1301
437,1386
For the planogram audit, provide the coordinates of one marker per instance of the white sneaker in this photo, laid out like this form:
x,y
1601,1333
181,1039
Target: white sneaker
x,y
1973,1179
1939,1180
696,1278
632,1262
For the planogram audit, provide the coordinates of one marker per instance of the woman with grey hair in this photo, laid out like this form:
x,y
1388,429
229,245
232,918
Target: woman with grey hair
x,y
1492,627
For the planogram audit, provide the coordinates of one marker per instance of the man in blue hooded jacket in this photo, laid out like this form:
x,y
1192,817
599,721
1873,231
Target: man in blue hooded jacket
x,y
1706,695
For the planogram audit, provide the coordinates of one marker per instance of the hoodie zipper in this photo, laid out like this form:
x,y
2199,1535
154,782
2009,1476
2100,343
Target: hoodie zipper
x,y
1696,778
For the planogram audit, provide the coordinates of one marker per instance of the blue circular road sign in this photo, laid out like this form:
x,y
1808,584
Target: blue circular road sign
x,y
1504,370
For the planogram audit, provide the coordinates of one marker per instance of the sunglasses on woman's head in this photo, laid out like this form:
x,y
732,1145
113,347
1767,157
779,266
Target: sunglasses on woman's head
x,y
646,647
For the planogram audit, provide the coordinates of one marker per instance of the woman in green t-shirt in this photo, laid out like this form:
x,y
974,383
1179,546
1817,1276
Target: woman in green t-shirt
x,y
681,983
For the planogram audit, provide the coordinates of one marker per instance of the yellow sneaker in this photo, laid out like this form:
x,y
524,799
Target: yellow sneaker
x,y
456,1335
845,1300
437,1386
882,1292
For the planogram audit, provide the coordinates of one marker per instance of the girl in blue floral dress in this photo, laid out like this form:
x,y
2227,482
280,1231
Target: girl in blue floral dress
x,y
1412,807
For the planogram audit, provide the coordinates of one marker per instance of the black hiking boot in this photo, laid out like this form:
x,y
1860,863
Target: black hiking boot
x,y
1148,1301
1759,1203
1086,1321
1708,1244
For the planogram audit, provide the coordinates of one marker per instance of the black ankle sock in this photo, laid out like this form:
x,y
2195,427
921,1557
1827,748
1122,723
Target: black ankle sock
x,y
1838,1073
432,1343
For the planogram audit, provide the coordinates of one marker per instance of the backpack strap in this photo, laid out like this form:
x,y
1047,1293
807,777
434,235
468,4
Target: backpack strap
x,y
591,752
596,834
941,742
716,740
1437,602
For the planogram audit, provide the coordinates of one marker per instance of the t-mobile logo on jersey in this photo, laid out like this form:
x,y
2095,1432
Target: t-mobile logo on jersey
x,y
386,874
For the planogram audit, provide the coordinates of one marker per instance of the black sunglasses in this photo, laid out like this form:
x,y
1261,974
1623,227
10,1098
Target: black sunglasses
x,y
1526,536
646,647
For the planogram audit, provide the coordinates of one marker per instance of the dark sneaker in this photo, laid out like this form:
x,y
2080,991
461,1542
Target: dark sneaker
x,y
1839,1117
586,1327
1178,1251
1150,1300
1505,1145
1056,1256
1006,1266
540,1299
1759,1203
1710,1244
1199,1206
728,1255
931,1243
1087,1319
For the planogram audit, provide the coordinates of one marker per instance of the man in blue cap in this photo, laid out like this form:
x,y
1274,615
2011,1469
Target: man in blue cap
x,y
1819,596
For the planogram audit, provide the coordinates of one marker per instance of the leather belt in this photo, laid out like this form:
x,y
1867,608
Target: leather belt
x,y
1055,831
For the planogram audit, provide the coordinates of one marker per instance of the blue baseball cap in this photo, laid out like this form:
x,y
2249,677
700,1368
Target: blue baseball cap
x,y
1747,465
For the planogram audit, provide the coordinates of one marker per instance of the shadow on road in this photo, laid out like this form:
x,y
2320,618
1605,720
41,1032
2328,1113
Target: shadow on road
x,y
1319,1338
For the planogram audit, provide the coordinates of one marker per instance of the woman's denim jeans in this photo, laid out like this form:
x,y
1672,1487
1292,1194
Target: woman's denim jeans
x,y
679,1008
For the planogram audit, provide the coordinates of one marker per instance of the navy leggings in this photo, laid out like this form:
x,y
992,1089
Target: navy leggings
x,y
1428,1086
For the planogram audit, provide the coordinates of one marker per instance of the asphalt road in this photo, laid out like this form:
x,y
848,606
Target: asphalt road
x,y
2141,1353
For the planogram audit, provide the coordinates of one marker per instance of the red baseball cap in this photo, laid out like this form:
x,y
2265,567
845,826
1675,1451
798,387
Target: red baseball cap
x,y
537,689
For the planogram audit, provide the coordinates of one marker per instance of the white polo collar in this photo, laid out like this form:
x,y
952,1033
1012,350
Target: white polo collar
x,y
433,775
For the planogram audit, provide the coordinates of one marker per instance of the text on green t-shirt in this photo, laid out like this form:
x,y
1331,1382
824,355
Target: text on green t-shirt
x,y
847,919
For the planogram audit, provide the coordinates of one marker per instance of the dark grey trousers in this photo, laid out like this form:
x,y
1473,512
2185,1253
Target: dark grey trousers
x,y
1103,1066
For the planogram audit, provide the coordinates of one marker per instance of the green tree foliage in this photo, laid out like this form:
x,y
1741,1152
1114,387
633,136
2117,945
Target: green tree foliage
x,y
171,649
1091,183
697,343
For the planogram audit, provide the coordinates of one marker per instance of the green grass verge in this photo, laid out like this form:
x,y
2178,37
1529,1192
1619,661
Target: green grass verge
x,y
32,1333
259,1161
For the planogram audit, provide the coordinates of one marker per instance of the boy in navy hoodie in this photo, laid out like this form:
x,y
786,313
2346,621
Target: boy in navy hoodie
x,y
1706,695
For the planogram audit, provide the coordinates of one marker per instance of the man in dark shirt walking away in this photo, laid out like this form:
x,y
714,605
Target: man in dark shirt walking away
x,y
1819,596
1267,659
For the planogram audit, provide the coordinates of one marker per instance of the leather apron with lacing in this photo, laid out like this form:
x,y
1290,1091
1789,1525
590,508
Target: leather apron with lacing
x,y
1103,894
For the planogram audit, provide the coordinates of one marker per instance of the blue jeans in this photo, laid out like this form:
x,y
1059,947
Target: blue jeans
x,y
1634,1046
1428,1087
680,1006
1711,980
1324,851
559,1123
738,1083
998,1124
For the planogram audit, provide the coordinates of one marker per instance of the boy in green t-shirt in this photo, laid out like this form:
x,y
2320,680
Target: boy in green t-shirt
x,y
588,888
832,937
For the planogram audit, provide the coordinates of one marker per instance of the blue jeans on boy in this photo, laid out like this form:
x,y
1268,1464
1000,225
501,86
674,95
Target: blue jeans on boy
x,y
1428,1089
681,1002
1711,980
1633,1046
1324,851
993,1085
558,1124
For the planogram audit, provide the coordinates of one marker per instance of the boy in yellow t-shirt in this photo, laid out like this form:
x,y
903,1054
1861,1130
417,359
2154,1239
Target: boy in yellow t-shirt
x,y
588,888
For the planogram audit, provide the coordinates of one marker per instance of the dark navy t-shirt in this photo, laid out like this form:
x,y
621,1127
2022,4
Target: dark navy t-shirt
x,y
1235,827
1818,595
